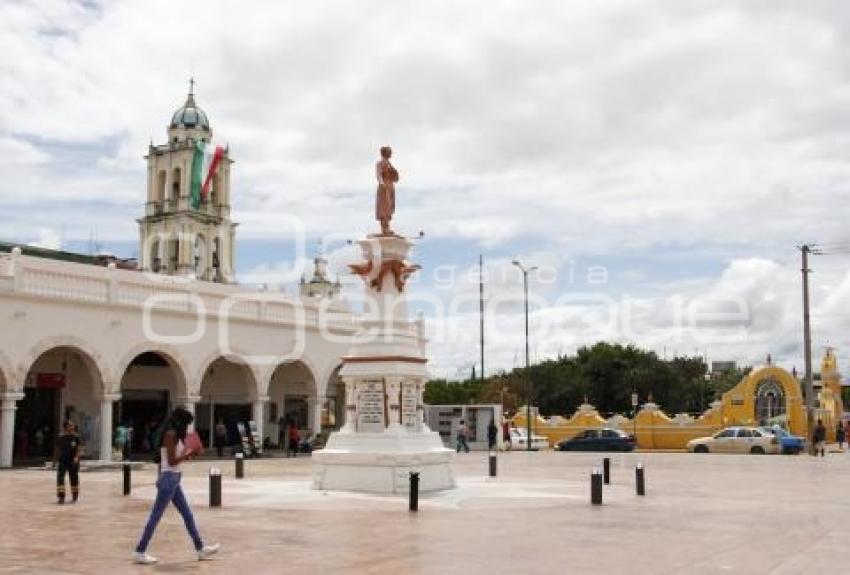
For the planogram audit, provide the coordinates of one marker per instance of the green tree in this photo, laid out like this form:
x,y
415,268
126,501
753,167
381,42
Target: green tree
x,y
442,392
723,382
605,374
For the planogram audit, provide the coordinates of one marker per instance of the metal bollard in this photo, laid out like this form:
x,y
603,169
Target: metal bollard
x,y
606,470
126,479
240,465
640,485
596,487
215,487
493,464
414,491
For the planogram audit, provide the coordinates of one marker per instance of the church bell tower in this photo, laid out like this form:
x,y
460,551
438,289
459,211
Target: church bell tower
x,y
186,229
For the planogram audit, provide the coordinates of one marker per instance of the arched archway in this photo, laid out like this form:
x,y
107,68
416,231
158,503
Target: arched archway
x,y
152,382
62,382
771,406
228,390
771,390
293,397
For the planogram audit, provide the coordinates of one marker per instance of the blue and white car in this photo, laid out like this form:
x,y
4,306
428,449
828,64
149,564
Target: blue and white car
x,y
789,444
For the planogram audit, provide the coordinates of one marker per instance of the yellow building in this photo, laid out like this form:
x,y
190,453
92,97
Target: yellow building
x,y
766,396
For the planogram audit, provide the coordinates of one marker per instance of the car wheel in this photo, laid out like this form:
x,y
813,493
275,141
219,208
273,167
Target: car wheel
x,y
701,449
757,450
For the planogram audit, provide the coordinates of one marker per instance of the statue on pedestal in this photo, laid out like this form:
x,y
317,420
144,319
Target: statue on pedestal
x,y
385,435
385,200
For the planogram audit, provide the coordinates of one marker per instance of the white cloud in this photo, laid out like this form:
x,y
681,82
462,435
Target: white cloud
x,y
49,239
580,128
606,124
752,308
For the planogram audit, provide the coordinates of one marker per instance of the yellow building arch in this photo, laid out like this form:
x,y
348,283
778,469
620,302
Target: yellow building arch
x,y
769,395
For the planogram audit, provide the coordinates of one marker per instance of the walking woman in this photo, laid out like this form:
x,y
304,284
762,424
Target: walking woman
x,y
173,452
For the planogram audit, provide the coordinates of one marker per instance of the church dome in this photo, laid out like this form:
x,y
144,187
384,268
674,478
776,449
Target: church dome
x,y
190,115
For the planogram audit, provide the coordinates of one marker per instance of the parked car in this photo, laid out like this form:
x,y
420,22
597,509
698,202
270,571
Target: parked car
x,y
788,443
519,440
737,440
605,439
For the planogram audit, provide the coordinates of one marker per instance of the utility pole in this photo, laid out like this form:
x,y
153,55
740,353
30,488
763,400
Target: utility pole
x,y
481,309
806,249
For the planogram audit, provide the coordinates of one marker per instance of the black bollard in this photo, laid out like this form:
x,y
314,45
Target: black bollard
x,y
240,466
596,487
414,491
126,479
606,471
640,485
215,487
493,464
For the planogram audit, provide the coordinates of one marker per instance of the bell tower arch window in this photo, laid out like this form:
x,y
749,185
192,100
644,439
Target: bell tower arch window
x,y
175,184
160,185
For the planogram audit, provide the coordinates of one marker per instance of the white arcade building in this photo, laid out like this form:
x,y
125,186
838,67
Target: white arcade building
x,y
101,345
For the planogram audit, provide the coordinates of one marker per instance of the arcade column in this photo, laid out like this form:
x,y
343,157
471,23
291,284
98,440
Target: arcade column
x,y
106,402
8,405
258,414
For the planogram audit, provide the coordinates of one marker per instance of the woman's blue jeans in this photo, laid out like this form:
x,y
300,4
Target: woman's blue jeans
x,y
167,491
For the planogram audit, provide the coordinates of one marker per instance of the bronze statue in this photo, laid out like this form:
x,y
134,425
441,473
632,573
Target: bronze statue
x,y
385,201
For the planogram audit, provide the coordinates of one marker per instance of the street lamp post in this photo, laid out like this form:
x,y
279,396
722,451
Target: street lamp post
x,y
525,271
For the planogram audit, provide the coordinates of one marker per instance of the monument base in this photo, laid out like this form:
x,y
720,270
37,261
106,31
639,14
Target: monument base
x,y
382,462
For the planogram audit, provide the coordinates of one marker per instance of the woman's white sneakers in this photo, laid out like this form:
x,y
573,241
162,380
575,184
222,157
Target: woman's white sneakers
x,y
143,558
208,551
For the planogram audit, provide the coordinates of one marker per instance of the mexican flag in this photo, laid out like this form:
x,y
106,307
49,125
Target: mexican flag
x,y
205,161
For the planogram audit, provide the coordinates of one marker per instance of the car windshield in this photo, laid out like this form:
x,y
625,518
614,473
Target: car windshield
x,y
726,433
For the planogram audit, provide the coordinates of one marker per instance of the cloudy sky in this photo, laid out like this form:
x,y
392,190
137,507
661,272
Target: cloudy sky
x,y
660,161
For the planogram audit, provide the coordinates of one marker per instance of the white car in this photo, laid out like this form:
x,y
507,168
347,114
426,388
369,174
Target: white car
x,y
737,440
519,440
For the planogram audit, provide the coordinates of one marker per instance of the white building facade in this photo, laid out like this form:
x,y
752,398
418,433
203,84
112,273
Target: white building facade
x,y
100,345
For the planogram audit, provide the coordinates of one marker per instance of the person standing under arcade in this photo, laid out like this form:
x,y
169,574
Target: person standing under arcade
x,y
66,459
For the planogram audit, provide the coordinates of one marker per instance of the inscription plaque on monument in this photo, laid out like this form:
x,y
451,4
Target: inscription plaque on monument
x,y
370,406
409,399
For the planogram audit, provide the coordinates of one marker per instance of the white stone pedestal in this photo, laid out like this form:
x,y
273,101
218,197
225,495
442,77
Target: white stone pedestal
x,y
382,462
384,437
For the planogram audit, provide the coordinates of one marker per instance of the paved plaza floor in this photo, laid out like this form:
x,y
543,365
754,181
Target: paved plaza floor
x,y
702,514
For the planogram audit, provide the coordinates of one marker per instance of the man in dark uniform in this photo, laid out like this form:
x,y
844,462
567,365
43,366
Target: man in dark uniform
x,y
66,458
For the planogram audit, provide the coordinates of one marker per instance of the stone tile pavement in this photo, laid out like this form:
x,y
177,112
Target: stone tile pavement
x,y
702,514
